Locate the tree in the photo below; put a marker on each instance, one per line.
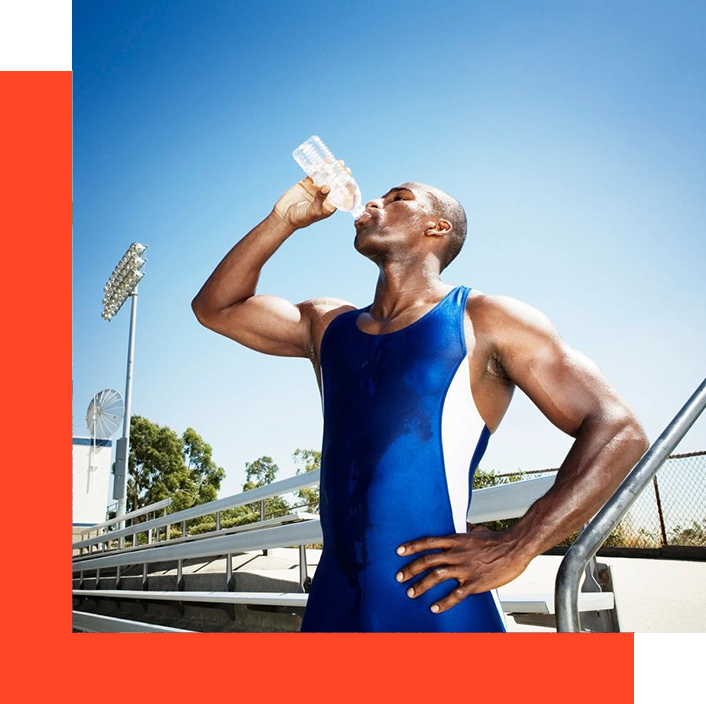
(164, 465)
(204, 473)
(309, 496)
(262, 472)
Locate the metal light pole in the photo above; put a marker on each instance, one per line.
(121, 285)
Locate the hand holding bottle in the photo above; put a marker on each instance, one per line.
(305, 203)
(318, 162)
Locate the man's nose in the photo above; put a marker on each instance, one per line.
(377, 203)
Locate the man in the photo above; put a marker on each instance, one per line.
(412, 387)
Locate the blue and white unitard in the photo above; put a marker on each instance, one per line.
(402, 438)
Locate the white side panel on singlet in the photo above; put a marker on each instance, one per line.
(461, 428)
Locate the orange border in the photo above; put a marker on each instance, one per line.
(36, 185)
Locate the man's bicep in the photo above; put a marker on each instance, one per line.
(565, 384)
(267, 324)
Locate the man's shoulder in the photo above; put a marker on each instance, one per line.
(501, 315)
(325, 308)
(320, 312)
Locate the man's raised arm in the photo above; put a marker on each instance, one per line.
(227, 302)
(572, 393)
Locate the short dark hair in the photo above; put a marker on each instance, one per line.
(447, 207)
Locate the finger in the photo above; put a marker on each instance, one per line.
(423, 563)
(348, 169)
(446, 541)
(322, 193)
(450, 600)
(436, 576)
(341, 162)
(310, 188)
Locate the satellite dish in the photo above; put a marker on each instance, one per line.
(104, 414)
(105, 411)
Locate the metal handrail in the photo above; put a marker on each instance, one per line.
(496, 503)
(598, 530)
(133, 514)
(303, 533)
(284, 486)
(295, 517)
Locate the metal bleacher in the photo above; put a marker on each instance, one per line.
(103, 553)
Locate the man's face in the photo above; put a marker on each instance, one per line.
(396, 221)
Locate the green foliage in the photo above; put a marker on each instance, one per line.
(164, 465)
(696, 535)
(309, 497)
(262, 472)
(483, 479)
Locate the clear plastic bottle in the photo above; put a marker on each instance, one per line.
(319, 163)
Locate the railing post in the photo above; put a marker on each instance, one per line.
(304, 580)
(262, 518)
(218, 520)
(230, 582)
(183, 529)
(659, 511)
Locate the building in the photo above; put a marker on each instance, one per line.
(92, 461)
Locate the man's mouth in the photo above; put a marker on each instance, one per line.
(363, 219)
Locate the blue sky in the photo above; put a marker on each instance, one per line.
(571, 132)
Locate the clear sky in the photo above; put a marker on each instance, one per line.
(573, 133)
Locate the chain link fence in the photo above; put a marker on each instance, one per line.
(668, 518)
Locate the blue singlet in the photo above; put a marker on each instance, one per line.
(402, 438)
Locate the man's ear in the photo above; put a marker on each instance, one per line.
(440, 227)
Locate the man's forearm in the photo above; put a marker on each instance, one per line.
(602, 455)
(236, 277)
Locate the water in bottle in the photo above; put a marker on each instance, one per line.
(319, 163)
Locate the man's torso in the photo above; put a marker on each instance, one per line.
(491, 389)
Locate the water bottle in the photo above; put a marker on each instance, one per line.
(319, 163)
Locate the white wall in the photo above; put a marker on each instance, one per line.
(90, 493)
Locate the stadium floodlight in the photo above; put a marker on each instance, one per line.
(121, 284)
(123, 281)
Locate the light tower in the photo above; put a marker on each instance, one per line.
(121, 284)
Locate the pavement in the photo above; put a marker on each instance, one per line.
(653, 596)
